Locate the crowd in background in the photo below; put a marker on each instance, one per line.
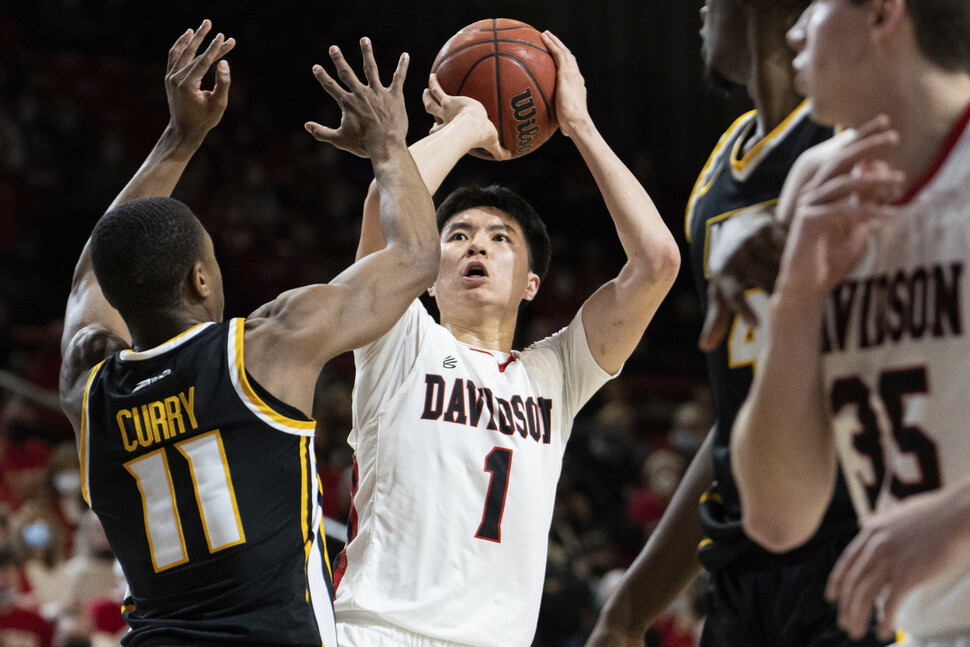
(283, 210)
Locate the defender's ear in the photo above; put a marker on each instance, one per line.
(200, 283)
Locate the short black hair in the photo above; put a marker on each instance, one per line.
(942, 31)
(510, 203)
(141, 252)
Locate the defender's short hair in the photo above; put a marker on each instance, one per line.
(141, 252)
(501, 198)
(942, 31)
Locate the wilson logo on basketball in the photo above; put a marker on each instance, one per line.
(524, 111)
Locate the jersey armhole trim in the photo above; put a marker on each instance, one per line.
(248, 395)
(82, 441)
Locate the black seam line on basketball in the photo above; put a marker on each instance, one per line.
(471, 68)
(535, 81)
(463, 48)
(473, 31)
(498, 85)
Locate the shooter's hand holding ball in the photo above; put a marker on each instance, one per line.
(571, 110)
(446, 108)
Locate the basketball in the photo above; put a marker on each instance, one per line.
(505, 65)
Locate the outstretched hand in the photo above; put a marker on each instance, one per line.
(571, 109)
(194, 111)
(445, 108)
(372, 115)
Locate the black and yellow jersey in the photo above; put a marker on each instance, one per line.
(736, 181)
(207, 489)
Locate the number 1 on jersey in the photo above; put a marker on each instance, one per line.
(497, 464)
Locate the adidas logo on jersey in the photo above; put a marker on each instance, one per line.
(450, 362)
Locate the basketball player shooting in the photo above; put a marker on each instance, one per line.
(197, 455)
(458, 439)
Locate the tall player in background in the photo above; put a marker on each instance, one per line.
(884, 386)
(743, 45)
(196, 451)
(458, 438)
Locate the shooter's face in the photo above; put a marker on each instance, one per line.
(484, 262)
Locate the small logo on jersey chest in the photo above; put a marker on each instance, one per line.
(152, 380)
(449, 362)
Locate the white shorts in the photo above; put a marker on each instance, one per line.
(370, 632)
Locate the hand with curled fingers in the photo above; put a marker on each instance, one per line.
(836, 209)
(748, 256)
(372, 116)
(571, 109)
(895, 551)
(446, 109)
(194, 111)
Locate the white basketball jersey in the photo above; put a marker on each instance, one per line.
(458, 452)
(897, 367)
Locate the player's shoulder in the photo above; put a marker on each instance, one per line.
(87, 348)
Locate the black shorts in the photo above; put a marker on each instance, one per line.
(777, 601)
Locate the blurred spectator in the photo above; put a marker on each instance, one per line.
(63, 487)
(38, 541)
(73, 628)
(19, 627)
(691, 422)
(91, 570)
(105, 612)
(659, 477)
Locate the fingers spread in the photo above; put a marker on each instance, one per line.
(344, 71)
(177, 48)
(371, 72)
(328, 83)
(400, 73)
(191, 47)
(321, 133)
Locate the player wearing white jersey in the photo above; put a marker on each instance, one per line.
(884, 385)
(459, 439)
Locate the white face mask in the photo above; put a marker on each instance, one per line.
(67, 483)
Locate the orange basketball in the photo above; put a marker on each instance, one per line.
(505, 65)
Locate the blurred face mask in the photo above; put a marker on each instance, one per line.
(67, 483)
(37, 535)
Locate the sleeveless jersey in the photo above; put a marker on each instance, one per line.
(458, 452)
(734, 182)
(895, 363)
(206, 486)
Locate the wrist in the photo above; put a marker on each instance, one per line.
(385, 147)
(180, 143)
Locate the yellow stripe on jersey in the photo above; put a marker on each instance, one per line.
(703, 183)
(83, 443)
(707, 541)
(266, 410)
(724, 216)
(710, 496)
(739, 162)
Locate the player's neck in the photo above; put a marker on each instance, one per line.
(490, 333)
(772, 91)
(157, 330)
(925, 117)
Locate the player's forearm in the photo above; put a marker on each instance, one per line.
(435, 156)
(646, 240)
(163, 167)
(669, 561)
(406, 213)
(782, 449)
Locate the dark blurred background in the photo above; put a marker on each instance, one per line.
(82, 103)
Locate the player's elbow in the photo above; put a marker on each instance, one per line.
(661, 262)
